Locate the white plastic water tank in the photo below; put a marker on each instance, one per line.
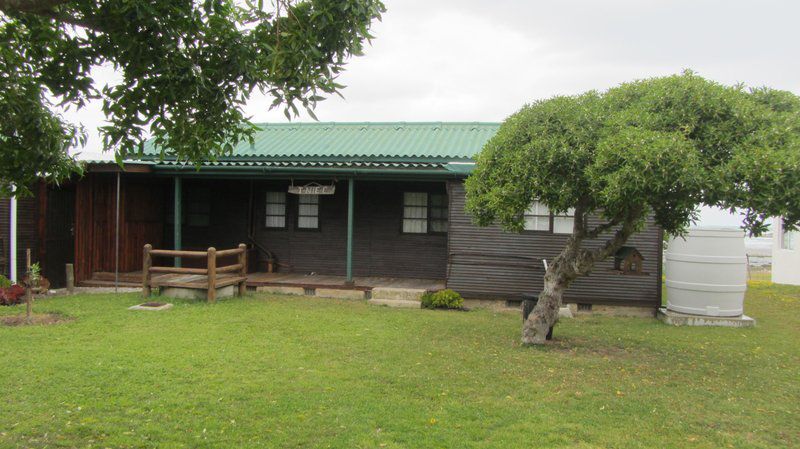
(707, 272)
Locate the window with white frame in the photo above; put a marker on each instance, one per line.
(308, 212)
(789, 240)
(276, 210)
(563, 223)
(415, 212)
(537, 217)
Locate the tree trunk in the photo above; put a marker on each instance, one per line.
(545, 314)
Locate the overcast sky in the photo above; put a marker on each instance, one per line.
(471, 60)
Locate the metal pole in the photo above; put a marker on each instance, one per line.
(177, 221)
(116, 239)
(350, 203)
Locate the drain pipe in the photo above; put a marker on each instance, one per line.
(12, 229)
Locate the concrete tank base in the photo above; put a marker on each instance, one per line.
(199, 294)
(684, 319)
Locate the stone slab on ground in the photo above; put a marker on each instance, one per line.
(166, 306)
(613, 310)
(404, 303)
(281, 290)
(340, 293)
(684, 319)
(405, 294)
(199, 294)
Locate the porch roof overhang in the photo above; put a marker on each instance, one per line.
(320, 168)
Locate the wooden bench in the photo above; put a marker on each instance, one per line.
(210, 278)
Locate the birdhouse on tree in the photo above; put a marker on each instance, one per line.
(628, 260)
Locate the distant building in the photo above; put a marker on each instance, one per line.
(785, 255)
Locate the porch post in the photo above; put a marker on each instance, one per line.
(350, 202)
(177, 218)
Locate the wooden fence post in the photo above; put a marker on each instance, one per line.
(243, 270)
(212, 274)
(146, 264)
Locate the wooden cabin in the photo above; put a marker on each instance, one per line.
(348, 201)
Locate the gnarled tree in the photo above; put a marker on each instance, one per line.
(654, 148)
(186, 70)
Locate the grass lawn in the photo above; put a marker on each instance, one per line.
(267, 371)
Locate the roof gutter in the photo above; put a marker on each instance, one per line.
(334, 171)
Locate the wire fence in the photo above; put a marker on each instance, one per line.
(758, 272)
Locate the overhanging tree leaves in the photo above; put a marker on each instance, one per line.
(654, 148)
(187, 68)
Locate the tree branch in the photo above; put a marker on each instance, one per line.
(616, 242)
(47, 9)
(599, 229)
(29, 6)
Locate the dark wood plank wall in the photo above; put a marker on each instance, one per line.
(27, 222)
(379, 248)
(141, 221)
(4, 233)
(490, 263)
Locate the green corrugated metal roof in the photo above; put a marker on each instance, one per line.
(388, 141)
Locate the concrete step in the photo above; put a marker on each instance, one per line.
(404, 303)
(393, 293)
(96, 283)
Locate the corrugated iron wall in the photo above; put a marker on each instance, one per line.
(490, 263)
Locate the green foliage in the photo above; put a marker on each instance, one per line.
(442, 299)
(35, 273)
(5, 282)
(660, 146)
(186, 71)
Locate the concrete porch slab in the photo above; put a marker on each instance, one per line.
(340, 293)
(281, 290)
(683, 319)
(404, 294)
(403, 303)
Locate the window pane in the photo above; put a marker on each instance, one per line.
(563, 225)
(415, 226)
(789, 240)
(276, 209)
(276, 222)
(415, 199)
(308, 209)
(276, 197)
(307, 222)
(309, 199)
(538, 208)
(536, 223)
(438, 226)
(415, 212)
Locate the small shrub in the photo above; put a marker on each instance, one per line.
(5, 282)
(427, 300)
(443, 299)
